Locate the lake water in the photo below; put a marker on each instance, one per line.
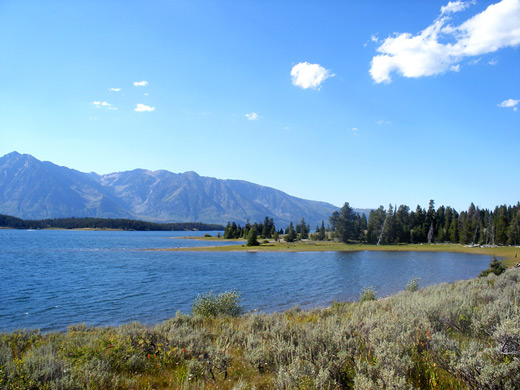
(50, 279)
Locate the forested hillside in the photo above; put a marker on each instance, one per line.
(7, 221)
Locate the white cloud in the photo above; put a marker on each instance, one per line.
(382, 122)
(114, 89)
(509, 103)
(455, 6)
(143, 83)
(253, 116)
(494, 61)
(355, 130)
(305, 75)
(105, 105)
(374, 38)
(146, 94)
(143, 108)
(426, 54)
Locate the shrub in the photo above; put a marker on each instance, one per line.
(450, 336)
(495, 267)
(207, 235)
(210, 305)
(413, 285)
(367, 294)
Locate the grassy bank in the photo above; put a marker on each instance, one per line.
(510, 255)
(451, 336)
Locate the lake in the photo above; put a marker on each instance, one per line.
(53, 278)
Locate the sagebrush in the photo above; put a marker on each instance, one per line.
(464, 335)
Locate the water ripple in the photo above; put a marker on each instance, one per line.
(51, 279)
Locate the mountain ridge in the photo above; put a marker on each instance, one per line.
(34, 189)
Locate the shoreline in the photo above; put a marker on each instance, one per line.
(509, 255)
(415, 323)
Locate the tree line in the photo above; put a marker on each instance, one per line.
(102, 223)
(401, 225)
(398, 225)
(267, 229)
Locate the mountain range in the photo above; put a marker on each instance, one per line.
(34, 189)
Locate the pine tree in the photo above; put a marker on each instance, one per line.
(252, 238)
(321, 231)
(402, 218)
(389, 228)
(453, 230)
(363, 225)
(440, 219)
(343, 222)
(501, 222)
(303, 229)
(418, 232)
(495, 267)
(290, 233)
(227, 231)
(513, 231)
(376, 220)
(266, 229)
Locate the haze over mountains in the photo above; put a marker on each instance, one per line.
(32, 189)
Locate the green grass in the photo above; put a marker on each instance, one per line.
(212, 238)
(509, 255)
(450, 336)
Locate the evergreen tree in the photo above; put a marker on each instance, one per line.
(402, 219)
(376, 220)
(363, 226)
(290, 233)
(321, 232)
(495, 267)
(453, 230)
(237, 231)
(389, 228)
(252, 238)
(501, 223)
(247, 228)
(440, 218)
(467, 225)
(343, 222)
(273, 230)
(228, 233)
(514, 227)
(266, 229)
(418, 232)
(303, 229)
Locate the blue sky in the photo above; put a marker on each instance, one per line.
(367, 102)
